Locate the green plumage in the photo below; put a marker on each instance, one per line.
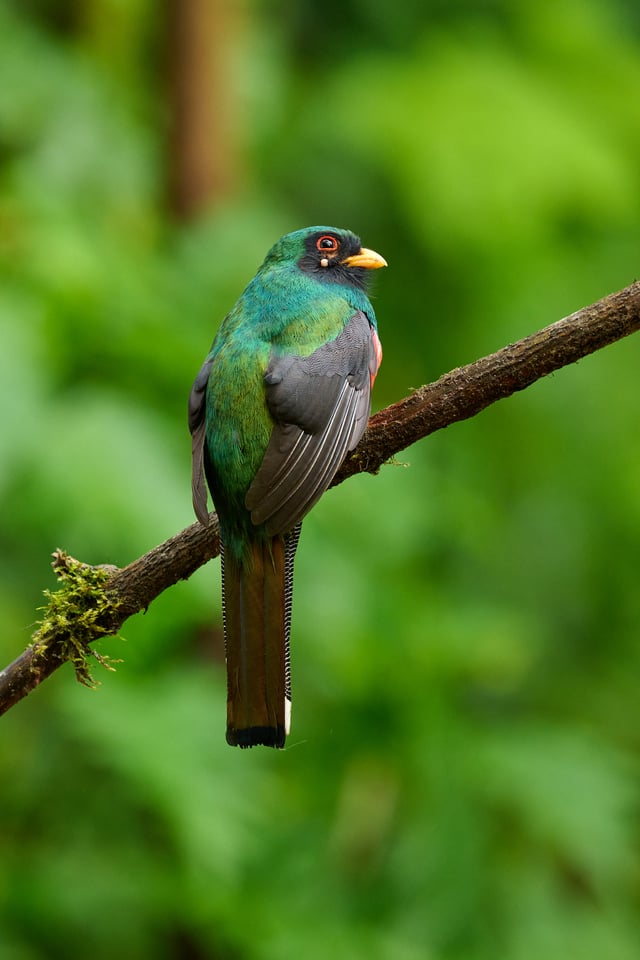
(284, 311)
(282, 396)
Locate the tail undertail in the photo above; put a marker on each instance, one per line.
(256, 599)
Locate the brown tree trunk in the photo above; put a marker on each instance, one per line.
(203, 142)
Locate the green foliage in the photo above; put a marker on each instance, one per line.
(462, 778)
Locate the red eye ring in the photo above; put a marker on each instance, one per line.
(327, 244)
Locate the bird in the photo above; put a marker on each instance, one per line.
(283, 395)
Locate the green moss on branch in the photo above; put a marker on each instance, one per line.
(81, 611)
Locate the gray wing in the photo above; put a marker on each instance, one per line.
(320, 405)
(197, 426)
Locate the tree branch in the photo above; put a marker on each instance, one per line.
(456, 396)
(466, 391)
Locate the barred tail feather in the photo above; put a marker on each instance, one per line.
(256, 599)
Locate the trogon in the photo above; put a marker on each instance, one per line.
(283, 395)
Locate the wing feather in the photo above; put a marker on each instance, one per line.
(197, 426)
(320, 405)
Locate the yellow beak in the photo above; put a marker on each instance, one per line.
(365, 258)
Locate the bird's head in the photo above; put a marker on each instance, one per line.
(328, 254)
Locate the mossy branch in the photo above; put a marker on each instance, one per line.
(94, 602)
(81, 611)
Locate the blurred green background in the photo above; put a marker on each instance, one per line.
(462, 779)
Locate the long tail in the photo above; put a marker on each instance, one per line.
(256, 600)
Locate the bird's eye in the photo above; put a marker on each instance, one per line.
(327, 243)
